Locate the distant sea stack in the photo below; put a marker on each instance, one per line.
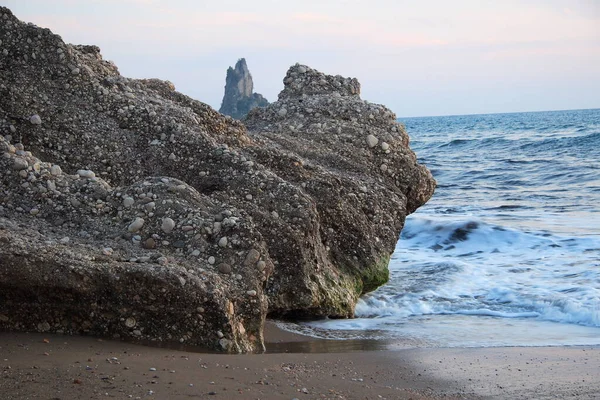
(239, 98)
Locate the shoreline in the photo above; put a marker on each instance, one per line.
(51, 366)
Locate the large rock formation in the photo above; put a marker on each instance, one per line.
(147, 214)
(239, 96)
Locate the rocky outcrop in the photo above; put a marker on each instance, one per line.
(351, 157)
(239, 96)
(77, 256)
(129, 209)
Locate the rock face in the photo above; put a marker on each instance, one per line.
(352, 159)
(128, 209)
(239, 97)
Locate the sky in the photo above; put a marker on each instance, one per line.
(417, 57)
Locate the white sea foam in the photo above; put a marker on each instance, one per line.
(471, 267)
(451, 271)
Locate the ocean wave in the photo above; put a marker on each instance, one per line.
(465, 234)
(401, 309)
(476, 142)
(519, 150)
(569, 144)
(452, 265)
(494, 313)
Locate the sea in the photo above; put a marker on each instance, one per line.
(507, 251)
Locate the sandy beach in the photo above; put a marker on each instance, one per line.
(39, 366)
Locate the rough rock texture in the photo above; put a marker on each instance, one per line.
(153, 216)
(239, 96)
(352, 158)
(77, 255)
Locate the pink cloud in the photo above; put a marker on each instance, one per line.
(314, 17)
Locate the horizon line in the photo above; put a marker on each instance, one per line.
(499, 113)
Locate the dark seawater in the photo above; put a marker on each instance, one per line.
(507, 252)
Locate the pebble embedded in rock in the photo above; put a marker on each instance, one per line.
(20, 164)
(43, 326)
(252, 257)
(223, 241)
(372, 141)
(136, 225)
(128, 202)
(55, 170)
(162, 260)
(224, 268)
(85, 173)
(35, 119)
(167, 225)
(225, 344)
(385, 146)
(149, 243)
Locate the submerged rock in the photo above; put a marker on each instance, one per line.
(239, 96)
(135, 211)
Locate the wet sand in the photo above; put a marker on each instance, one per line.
(40, 366)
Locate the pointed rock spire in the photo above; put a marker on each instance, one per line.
(239, 98)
